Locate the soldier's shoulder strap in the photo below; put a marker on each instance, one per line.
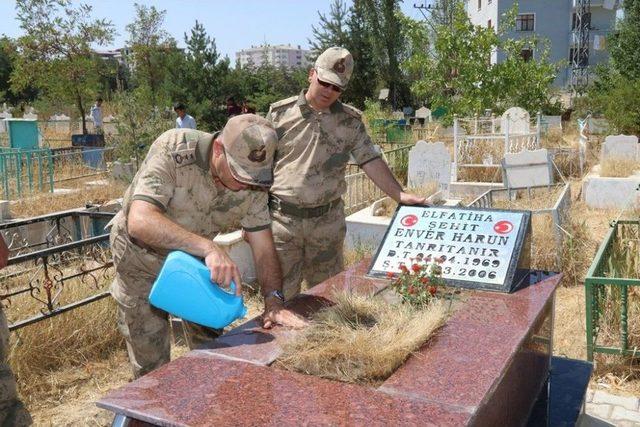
(284, 102)
(352, 111)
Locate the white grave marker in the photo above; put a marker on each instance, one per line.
(527, 169)
(429, 162)
(518, 120)
(620, 147)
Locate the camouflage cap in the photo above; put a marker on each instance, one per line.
(335, 66)
(250, 144)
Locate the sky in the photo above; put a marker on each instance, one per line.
(235, 25)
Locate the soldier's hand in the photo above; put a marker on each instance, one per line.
(222, 269)
(282, 316)
(412, 199)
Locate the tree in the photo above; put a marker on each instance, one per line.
(8, 55)
(616, 90)
(201, 79)
(364, 79)
(389, 46)
(455, 71)
(55, 54)
(153, 52)
(332, 30)
(625, 44)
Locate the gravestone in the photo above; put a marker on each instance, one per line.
(3, 125)
(429, 162)
(624, 147)
(479, 248)
(527, 169)
(517, 119)
(30, 116)
(423, 114)
(60, 122)
(552, 122)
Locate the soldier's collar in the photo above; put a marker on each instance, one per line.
(203, 150)
(305, 108)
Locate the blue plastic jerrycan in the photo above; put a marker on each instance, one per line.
(184, 289)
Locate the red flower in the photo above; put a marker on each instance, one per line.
(390, 275)
(424, 280)
(432, 290)
(416, 268)
(403, 268)
(411, 290)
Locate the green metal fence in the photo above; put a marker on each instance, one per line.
(25, 171)
(611, 277)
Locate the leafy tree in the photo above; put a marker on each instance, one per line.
(616, 90)
(7, 62)
(55, 54)
(456, 73)
(154, 53)
(332, 29)
(384, 19)
(364, 80)
(625, 45)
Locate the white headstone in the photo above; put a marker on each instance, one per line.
(620, 147)
(429, 162)
(30, 116)
(518, 119)
(3, 125)
(423, 113)
(527, 169)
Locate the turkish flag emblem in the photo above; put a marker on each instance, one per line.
(503, 227)
(409, 220)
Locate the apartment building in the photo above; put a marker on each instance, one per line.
(554, 20)
(279, 55)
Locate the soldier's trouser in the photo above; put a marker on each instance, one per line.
(12, 411)
(146, 329)
(310, 249)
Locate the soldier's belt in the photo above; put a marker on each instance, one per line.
(275, 204)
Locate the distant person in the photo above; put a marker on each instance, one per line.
(233, 109)
(12, 410)
(246, 108)
(183, 121)
(96, 115)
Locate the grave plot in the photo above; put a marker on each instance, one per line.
(613, 183)
(495, 342)
(58, 262)
(549, 206)
(481, 143)
(612, 294)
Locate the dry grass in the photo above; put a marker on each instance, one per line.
(480, 175)
(53, 202)
(536, 199)
(361, 339)
(618, 168)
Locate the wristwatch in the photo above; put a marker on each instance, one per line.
(276, 294)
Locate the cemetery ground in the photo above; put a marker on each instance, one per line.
(63, 366)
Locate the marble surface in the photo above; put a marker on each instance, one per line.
(203, 390)
(480, 368)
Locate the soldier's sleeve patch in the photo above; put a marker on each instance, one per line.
(184, 157)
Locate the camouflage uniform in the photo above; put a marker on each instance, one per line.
(12, 411)
(309, 168)
(175, 176)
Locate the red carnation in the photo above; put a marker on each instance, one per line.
(432, 290)
(416, 268)
(390, 275)
(424, 280)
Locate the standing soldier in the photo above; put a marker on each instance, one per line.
(191, 185)
(12, 411)
(317, 135)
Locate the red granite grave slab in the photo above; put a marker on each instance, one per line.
(204, 390)
(491, 341)
(484, 367)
